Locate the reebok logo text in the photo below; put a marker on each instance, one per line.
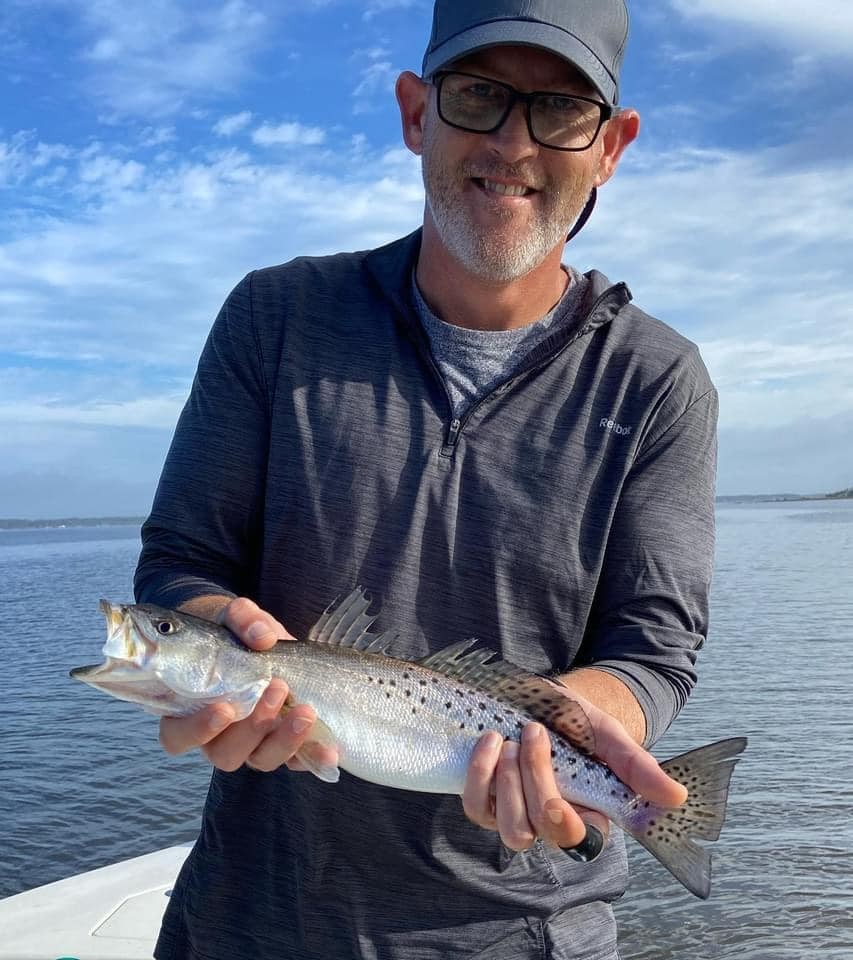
(614, 427)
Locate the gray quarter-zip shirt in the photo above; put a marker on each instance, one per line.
(565, 519)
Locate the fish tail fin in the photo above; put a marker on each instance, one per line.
(668, 832)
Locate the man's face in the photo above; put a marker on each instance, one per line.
(495, 234)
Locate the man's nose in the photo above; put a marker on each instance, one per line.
(512, 139)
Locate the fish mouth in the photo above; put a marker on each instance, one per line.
(125, 644)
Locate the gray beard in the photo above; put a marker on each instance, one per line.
(485, 254)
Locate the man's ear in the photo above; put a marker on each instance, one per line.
(412, 97)
(620, 131)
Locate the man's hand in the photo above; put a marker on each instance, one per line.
(265, 740)
(512, 788)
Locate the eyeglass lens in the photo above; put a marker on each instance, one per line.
(482, 105)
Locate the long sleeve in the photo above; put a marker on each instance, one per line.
(650, 614)
(202, 534)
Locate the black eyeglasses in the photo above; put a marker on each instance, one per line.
(481, 105)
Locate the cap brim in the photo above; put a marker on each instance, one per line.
(528, 33)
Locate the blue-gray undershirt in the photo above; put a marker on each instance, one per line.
(474, 362)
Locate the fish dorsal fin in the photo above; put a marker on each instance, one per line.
(347, 624)
(542, 699)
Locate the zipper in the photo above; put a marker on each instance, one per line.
(457, 424)
(453, 433)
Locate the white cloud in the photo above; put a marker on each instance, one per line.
(375, 8)
(234, 123)
(288, 134)
(376, 87)
(168, 51)
(825, 27)
(157, 412)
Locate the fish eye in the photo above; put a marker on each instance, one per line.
(165, 627)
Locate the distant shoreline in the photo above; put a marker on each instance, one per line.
(14, 523)
(58, 524)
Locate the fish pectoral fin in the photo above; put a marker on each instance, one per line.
(320, 747)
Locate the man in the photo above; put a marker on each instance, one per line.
(493, 445)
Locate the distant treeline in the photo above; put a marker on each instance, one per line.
(15, 524)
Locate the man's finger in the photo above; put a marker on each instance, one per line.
(634, 765)
(254, 626)
(514, 826)
(180, 734)
(551, 817)
(478, 796)
(236, 743)
(281, 744)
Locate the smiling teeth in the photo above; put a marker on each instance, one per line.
(504, 188)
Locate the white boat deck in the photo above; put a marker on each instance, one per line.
(112, 913)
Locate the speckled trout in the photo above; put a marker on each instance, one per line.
(411, 725)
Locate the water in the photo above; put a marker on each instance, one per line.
(83, 781)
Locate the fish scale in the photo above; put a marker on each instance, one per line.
(409, 725)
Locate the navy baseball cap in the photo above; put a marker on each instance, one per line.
(590, 34)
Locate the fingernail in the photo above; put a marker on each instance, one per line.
(555, 813)
(272, 697)
(257, 631)
(300, 724)
(219, 721)
(531, 732)
(510, 749)
(589, 848)
(494, 741)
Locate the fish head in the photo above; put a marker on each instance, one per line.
(171, 663)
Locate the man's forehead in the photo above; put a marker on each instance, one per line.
(530, 67)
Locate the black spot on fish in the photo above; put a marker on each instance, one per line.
(414, 710)
(461, 726)
(393, 683)
(405, 676)
(448, 705)
(499, 718)
(423, 699)
(423, 683)
(408, 693)
(370, 679)
(481, 705)
(553, 753)
(480, 726)
(470, 712)
(381, 680)
(387, 694)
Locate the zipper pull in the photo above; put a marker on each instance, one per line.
(453, 432)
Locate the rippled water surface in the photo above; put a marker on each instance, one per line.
(84, 783)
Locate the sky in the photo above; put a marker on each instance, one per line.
(151, 154)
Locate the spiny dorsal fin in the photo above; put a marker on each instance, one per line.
(539, 697)
(347, 624)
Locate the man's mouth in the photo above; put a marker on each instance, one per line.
(503, 189)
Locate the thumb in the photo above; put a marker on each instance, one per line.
(252, 625)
